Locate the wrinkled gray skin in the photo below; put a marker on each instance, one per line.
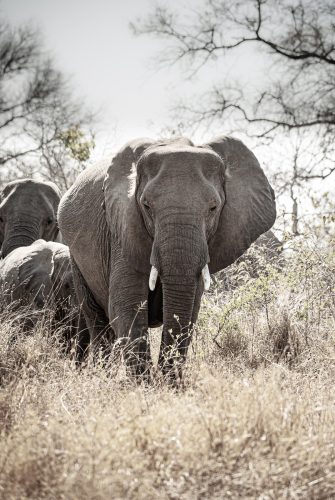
(28, 212)
(171, 205)
(38, 276)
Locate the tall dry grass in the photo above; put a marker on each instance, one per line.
(255, 418)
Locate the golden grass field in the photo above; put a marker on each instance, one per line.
(255, 417)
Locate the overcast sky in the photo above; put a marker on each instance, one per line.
(114, 70)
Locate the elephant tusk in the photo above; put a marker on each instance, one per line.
(206, 277)
(153, 278)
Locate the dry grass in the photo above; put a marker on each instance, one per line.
(255, 419)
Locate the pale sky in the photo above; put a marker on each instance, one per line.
(114, 70)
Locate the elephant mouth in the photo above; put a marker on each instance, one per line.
(204, 274)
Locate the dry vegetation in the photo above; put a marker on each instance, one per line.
(255, 418)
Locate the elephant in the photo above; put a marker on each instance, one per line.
(38, 276)
(146, 229)
(28, 212)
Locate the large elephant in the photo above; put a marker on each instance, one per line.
(147, 228)
(28, 212)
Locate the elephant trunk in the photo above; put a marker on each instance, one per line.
(179, 254)
(177, 318)
(20, 234)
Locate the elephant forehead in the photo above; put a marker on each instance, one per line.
(26, 195)
(185, 159)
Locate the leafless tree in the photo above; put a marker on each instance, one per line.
(296, 98)
(296, 162)
(37, 109)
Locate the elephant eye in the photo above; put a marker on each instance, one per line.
(49, 220)
(147, 207)
(213, 208)
(1, 219)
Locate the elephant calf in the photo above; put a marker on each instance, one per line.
(39, 276)
(147, 228)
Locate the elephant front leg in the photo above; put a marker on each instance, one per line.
(92, 321)
(128, 313)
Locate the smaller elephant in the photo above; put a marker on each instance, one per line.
(39, 276)
(28, 212)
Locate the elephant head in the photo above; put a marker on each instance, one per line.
(38, 275)
(190, 210)
(35, 273)
(47, 276)
(28, 211)
(62, 279)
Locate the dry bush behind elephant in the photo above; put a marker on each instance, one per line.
(147, 228)
(38, 278)
(265, 253)
(28, 212)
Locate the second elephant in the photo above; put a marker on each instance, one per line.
(28, 212)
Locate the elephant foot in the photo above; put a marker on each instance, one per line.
(140, 370)
(171, 370)
(137, 358)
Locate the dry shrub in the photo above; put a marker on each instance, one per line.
(282, 314)
(255, 418)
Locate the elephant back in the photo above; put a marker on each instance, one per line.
(26, 274)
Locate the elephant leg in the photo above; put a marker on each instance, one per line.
(97, 324)
(128, 311)
(82, 335)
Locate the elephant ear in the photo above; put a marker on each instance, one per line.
(53, 193)
(6, 190)
(53, 196)
(39, 260)
(62, 274)
(250, 208)
(36, 269)
(122, 212)
(4, 193)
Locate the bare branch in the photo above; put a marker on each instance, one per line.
(36, 107)
(295, 100)
(298, 36)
